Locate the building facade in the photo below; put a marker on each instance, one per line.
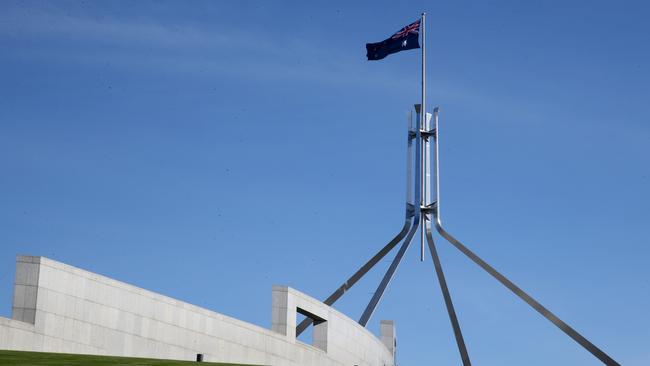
(60, 308)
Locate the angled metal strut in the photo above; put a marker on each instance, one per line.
(458, 334)
(584, 342)
(358, 274)
(372, 305)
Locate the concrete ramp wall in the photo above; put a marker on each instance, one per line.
(60, 308)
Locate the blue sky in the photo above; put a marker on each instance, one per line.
(207, 150)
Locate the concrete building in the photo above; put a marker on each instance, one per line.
(60, 308)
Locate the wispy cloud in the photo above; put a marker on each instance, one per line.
(197, 50)
(190, 50)
(107, 31)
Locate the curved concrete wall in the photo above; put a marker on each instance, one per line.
(60, 308)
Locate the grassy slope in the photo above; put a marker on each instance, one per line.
(19, 358)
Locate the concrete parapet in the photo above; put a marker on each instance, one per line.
(60, 308)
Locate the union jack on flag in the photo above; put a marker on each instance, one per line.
(411, 28)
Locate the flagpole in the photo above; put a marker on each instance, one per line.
(423, 127)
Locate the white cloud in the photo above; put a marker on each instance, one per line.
(190, 50)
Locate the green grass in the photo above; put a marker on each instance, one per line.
(20, 358)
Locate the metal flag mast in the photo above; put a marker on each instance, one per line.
(421, 211)
(423, 127)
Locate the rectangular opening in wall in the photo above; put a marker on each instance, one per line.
(306, 336)
(317, 332)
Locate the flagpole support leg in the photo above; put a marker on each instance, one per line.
(458, 334)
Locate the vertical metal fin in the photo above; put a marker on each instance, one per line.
(425, 199)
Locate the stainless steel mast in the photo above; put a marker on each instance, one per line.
(423, 127)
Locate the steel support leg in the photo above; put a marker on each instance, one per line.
(584, 342)
(370, 309)
(460, 342)
(358, 274)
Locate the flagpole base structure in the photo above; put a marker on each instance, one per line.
(422, 218)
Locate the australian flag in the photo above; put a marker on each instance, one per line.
(405, 39)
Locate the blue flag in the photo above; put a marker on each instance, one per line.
(405, 39)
